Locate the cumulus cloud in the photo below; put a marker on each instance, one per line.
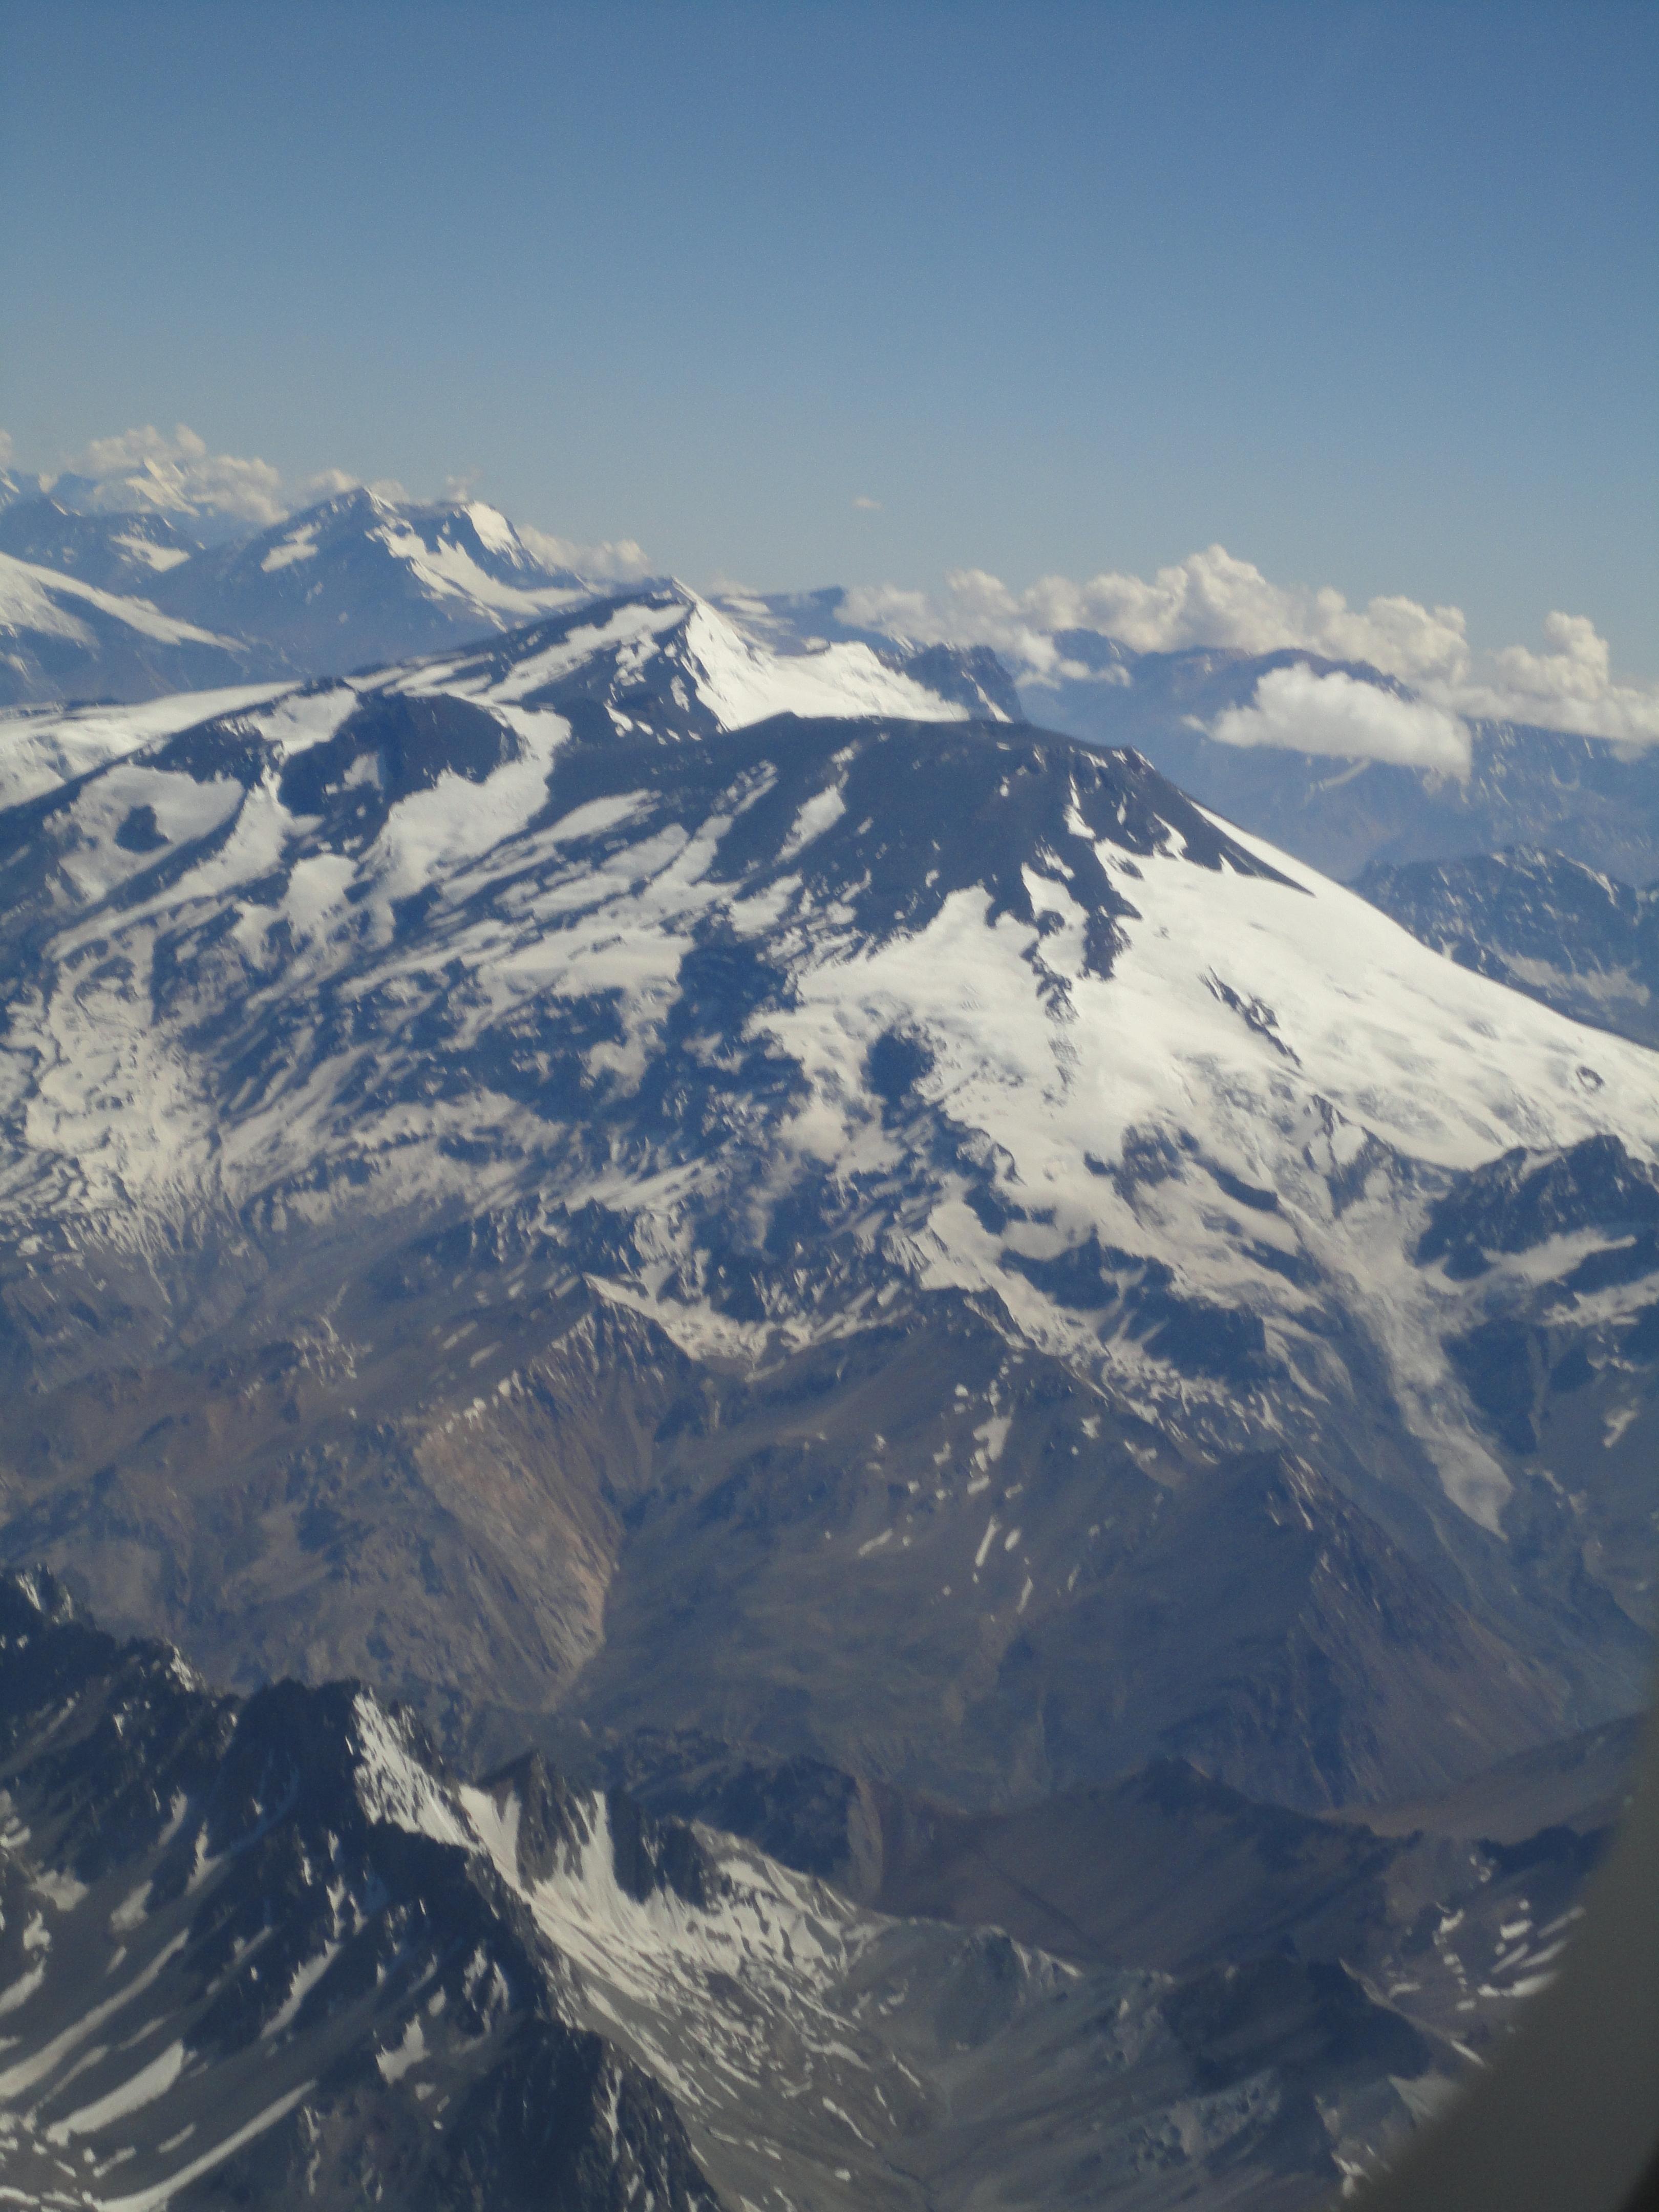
(1214, 599)
(144, 468)
(616, 560)
(866, 504)
(1210, 599)
(978, 610)
(332, 483)
(1298, 709)
(325, 484)
(1572, 689)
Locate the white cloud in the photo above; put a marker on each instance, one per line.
(333, 484)
(1302, 711)
(1214, 599)
(866, 504)
(616, 559)
(7, 448)
(979, 611)
(1570, 689)
(143, 468)
(326, 483)
(1210, 599)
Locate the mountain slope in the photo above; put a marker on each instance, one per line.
(1576, 940)
(62, 638)
(43, 747)
(121, 553)
(905, 1241)
(259, 1951)
(1165, 1867)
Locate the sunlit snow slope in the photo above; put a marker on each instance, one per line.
(58, 637)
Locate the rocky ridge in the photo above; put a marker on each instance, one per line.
(267, 1951)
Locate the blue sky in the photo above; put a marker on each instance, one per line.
(1366, 293)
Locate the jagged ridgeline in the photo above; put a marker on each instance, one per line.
(268, 1951)
(902, 1241)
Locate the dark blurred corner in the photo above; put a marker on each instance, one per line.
(1567, 2120)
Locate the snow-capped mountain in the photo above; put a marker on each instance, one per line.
(664, 662)
(270, 1951)
(906, 1241)
(360, 578)
(121, 553)
(1578, 940)
(63, 639)
(660, 659)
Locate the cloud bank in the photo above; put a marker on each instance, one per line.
(143, 468)
(1210, 599)
(1214, 599)
(1302, 711)
(613, 560)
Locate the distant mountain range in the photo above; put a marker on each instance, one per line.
(360, 579)
(123, 553)
(1575, 940)
(355, 579)
(1595, 802)
(267, 1951)
(66, 640)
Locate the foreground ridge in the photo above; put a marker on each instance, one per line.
(268, 1951)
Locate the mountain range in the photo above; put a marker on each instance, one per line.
(1594, 802)
(1579, 940)
(269, 1950)
(361, 579)
(665, 1204)
(354, 580)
